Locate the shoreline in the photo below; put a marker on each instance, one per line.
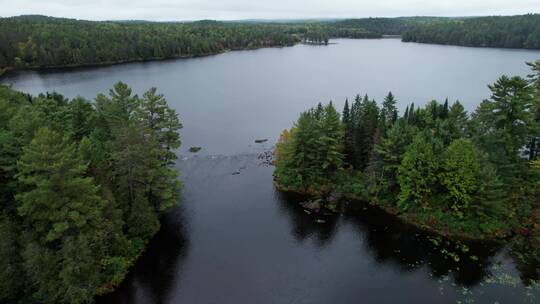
(352, 201)
(6, 70)
(472, 46)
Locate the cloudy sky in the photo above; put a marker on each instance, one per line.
(160, 10)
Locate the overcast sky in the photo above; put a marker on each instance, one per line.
(160, 10)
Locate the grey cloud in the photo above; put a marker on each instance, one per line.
(242, 9)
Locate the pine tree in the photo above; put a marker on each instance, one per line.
(503, 125)
(117, 109)
(156, 115)
(58, 198)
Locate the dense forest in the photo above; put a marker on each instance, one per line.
(36, 41)
(473, 176)
(508, 32)
(82, 186)
(41, 42)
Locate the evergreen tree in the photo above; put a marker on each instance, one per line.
(314, 151)
(12, 275)
(58, 199)
(406, 114)
(348, 133)
(458, 121)
(162, 120)
(503, 124)
(74, 228)
(534, 142)
(389, 112)
(410, 117)
(366, 125)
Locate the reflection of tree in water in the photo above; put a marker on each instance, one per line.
(390, 241)
(525, 252)
(304, 226)
(157, 268)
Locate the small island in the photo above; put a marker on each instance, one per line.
(462, 176)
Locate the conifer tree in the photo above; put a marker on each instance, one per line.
(389, 112)
(348, 133)
(411, 115)
(58, 199)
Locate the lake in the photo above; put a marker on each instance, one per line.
(235, 239)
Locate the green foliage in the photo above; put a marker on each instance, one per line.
(82, 187)
(460, 174)
(389, 113)
(42, 42)
(311, 152)
(503, 125)
(417, 173)
(453, 173)
(501, 31)
(12, 273)
(364, 128)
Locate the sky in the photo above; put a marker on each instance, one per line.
(180, 10)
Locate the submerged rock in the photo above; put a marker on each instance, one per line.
(312, 205)
(266, 158)
(195, 149)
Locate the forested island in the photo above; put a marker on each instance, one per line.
(36, 42)
(463, 176)
(82, 186)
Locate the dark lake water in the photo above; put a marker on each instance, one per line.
(234, 239)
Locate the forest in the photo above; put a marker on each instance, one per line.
(41, 42)
(82, 187)
(37, 41)
(506, 32)
(46, 42)
(472, 176)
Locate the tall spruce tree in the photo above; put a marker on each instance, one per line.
(389, 112)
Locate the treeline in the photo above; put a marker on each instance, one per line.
(383, 26)
(40, 42)
(36, 41)
(82, 186)
(437, 166)
(508, 32)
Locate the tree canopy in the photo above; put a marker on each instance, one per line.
(82, 187)
(456, 173)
